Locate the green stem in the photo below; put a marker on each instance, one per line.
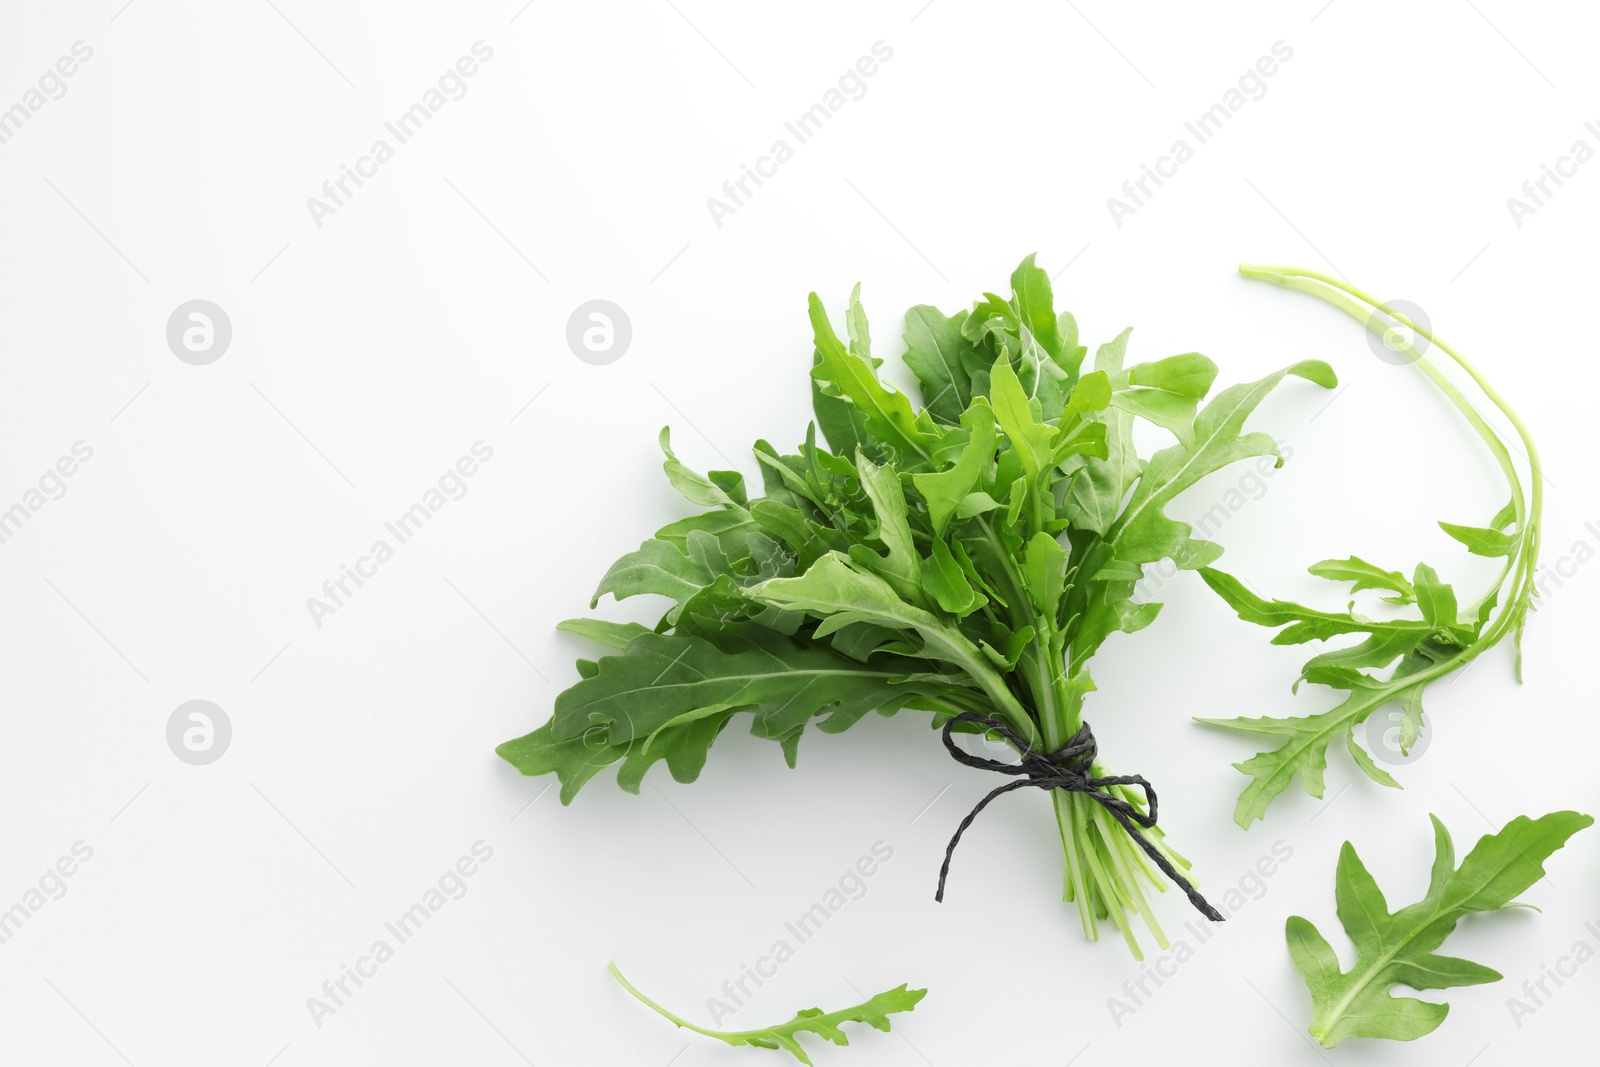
(1528, 507)
(647, 1002)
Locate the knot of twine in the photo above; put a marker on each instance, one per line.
(1068, 768)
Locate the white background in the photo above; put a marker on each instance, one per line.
(369, 353)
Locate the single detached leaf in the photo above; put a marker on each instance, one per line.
(874, 1012)
(1399, 948)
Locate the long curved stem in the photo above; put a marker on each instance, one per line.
(1527, 506)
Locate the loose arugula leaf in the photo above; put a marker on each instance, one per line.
(1399, 948)
(1443, 640)
(874, 1012)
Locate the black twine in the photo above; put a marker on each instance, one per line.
(1066, 768)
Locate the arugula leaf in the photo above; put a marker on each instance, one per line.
(884, 412)
(1443, 640)
(1364, 575)
(1143, 533)
(939, 356)
(635, 703)
(874, 1012)
(1399, 948)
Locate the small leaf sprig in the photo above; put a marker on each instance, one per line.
(1399, 948)
(874, 1011)
(1444, 636)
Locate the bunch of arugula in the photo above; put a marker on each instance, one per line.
(968, 556)
(1444, 636)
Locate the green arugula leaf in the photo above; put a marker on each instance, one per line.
(944, 492)
(884, 412)
(1399, 948)
(939, 356)
(1365, 575)
(668, 696)
(1033, 302)
(1482, 542)
(874, 1012)
(1144, 533)
(1166, 392)
(1033, 439)
(1096, 494)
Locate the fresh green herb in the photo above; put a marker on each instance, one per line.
(1443, 637)
(968, 556)
(874, 1012)
(1399, 949)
